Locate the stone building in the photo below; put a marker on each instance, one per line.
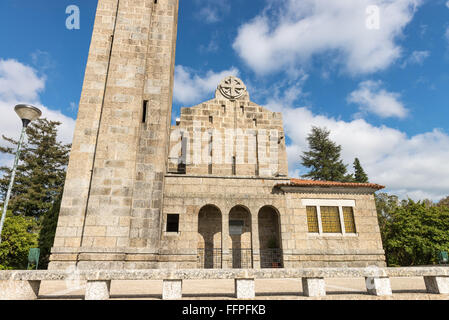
(211, 191)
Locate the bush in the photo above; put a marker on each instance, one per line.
(17, 240)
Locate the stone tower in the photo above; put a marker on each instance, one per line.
(111, 209)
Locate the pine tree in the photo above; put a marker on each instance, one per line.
(47, 233)
(359, 174)
(41, 172)
(324, 158)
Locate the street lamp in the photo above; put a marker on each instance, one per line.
(27, 113)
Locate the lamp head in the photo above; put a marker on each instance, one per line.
(27, 113)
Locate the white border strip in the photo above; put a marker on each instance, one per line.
(328, 203)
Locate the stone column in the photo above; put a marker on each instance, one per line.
(255, 239)
(97, 290)
(438, 285)
(378, 286)
(226, 254)
(19, 290)
(244, 289)
(172, 290)
(314, 287)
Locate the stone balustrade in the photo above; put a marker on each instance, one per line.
(15, 285)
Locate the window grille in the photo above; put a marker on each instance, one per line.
(330, 219)
(312, 220)
(348, 215)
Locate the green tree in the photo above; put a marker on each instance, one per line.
(17, 239)
(323, 159)
(47, 233)
(359, 174)
(41, 172)
(414, 233)
(386, 204)
(37, 191)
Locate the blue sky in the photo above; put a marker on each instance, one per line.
(383, 90)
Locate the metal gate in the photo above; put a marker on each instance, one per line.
(271, 258)
(209, 258)
(242, 258)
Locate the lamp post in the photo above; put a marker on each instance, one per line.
(27, 113)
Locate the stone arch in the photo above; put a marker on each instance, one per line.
(270, 237)
(240, 234)
(210, 237)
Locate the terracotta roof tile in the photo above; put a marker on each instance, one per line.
(316, 183)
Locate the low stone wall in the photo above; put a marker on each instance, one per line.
(15, 285)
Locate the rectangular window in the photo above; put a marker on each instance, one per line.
(234, 170)
(312, 220)
(330, 216)
(173, 223)
(144, 113)
(211, 151)
(330, 219)
(211, 119)
(348, 215)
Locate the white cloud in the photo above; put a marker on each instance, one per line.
(413, 166)
(370, 97)
(416, 58)
(297, 30)
(447, 4)
(209, 15)
(212, 11)
(423, 30)
(213, 45)
(18, 81)
(190, 87)
(21, 84)
(43, 60)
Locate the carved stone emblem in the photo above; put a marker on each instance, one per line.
(232, 88)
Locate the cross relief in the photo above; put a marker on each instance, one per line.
(232, 88)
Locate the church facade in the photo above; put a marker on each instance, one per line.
(211, 191)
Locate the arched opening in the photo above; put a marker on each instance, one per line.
(209, 238)
(270, 240)
(240, 235)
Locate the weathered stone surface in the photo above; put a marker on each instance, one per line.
(115, 154)
(190, 195)
(438, 285)
(244, 288)
(378, 286)
(172, 289)
(418, 271)
(198, 274)
(98, 290)
(126, 173)
(19, 290)
(314, 287)
(25, 284)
